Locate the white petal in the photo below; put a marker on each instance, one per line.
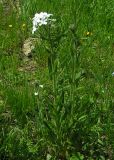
(34, 29)
(44, 22)
(36, 93)
(41, 86)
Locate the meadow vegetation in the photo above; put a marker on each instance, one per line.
(57, 101)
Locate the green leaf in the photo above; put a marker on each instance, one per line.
(77, 157)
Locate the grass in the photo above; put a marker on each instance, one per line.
(70, 117)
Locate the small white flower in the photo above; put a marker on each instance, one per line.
(112, 73)
(49, 157)
(36, 93)
(41, 19)
(34, 29)
(41, 86)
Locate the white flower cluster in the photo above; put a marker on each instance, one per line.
(36, 93)
(41, 19)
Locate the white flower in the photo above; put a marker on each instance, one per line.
(36, 93)
(112, 73)
(41, 86)
(41, 19)
(34, 29)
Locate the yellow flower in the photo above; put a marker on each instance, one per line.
(89, 33)
(23, 25)
(10, 25)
